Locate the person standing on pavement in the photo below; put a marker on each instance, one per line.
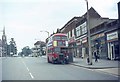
(88, 61)
(95, 55)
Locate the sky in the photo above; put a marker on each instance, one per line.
(25, 19)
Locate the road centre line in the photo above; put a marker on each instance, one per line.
(28, 70)
(31, 75)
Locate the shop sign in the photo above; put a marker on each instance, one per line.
(97, 36)
(84, 40)
(78, 42)
(72, 39)
(113, 35)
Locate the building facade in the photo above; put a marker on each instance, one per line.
(69, 29)
(39, 49)
(112, 40)
(76, 29)
(98, 38)
(78, 34)
(0, 48)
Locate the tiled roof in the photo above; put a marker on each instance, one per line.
(39, 42)
(92, 13)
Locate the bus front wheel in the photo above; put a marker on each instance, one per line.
(48, 60)
(53, 61)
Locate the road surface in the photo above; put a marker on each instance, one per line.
(37, 68)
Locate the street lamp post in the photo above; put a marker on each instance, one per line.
(89, 39)
(46, 32)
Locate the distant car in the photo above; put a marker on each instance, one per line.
(30, 55)
(15, 55)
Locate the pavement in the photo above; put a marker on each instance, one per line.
(103, 65)
(107, 66)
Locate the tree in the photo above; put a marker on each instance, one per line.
(12, 47)
(26, 51)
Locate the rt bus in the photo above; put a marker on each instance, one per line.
(57, 49)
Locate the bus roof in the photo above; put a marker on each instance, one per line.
(59, 34)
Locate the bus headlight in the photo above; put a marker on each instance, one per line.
(54, 43)
(66, 43)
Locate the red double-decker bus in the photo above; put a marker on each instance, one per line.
(58, 49)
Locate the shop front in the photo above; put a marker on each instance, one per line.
(113, 45)
(99, 44)
(72, 46)
(82, 46)
(78, 49)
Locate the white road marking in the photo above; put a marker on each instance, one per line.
(28, 70)
(31, 75)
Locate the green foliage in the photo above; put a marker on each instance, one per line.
(26, 51)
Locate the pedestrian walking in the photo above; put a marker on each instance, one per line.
(95, 55)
